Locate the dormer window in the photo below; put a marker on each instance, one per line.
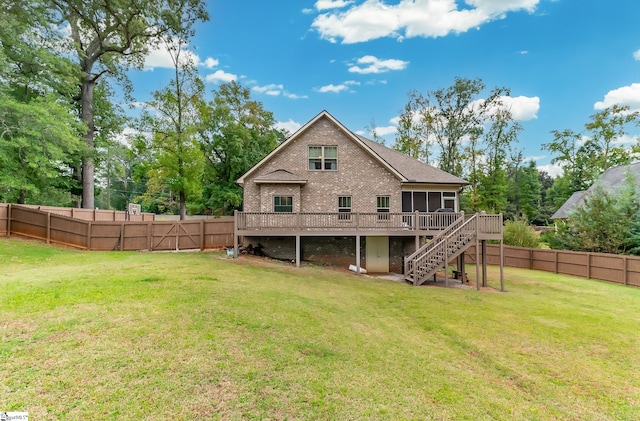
(323, 158)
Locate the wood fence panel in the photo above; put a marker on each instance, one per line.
(633, 272)
(4, 219)
(136, 236)
(105, 235)
(163, 236)
(517, 257)
(544, 260)
(189, 235)
(28, 222)
(218, 232)
(68, 231)
(608, 268)
(572, 263)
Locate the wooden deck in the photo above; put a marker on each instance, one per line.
(352, 224)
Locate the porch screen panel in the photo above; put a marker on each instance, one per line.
(435, 201)
(407, 202)
(449, 199)
(419, 201)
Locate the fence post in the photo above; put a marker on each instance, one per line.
(556, 262)
(625, 272)
(121, 236)
(89, 230)
(48, 227)
(9, 221)
(588, 265)
(201, 234)
(149, 236)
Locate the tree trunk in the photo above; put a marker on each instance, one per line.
(183, 207)
(87, 160)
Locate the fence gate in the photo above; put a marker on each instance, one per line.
(175, 236)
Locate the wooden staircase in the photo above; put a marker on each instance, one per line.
(447, 245)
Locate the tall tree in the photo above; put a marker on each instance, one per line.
(107, 38)
(499, 137)
(585, 155)
(412, 138)
(446, 117)
(524, 190)
(174, 117)
(39, 136)
(237, 133)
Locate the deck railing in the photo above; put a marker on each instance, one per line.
(345, 221)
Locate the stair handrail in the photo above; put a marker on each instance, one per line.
(443, 232)
(438, 242)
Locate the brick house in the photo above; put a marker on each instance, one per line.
(327, 194)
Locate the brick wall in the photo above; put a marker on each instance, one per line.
(359, 175)
(337, 251)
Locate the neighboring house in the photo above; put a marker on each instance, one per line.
(612, 180)
(325, 187)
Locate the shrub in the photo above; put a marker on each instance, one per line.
(519, 233)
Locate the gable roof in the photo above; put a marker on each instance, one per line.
(404, 167)
(575, 201)
(412, 170)
(612, 180)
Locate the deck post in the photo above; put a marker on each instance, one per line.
(446, 262)
(235, 233)
(416, 223)
(298, 250)
(477, 255)
(501, 265)
(484, 263)
(357, 254)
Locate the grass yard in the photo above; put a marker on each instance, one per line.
(187, 336)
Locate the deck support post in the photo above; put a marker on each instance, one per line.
(484, 263)
(501, 265)
(235, 234)
(298, 251)
(358, 254)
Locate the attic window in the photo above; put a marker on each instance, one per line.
(323, 158)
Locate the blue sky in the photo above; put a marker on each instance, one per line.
(563, 60)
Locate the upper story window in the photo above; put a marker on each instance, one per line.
(283, 204)
(383, 206)
(323, 158)
(344, 208)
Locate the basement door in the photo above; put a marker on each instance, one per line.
(377, 254)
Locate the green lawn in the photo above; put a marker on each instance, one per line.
(128, 335)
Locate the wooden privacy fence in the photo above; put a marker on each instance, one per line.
(92, 214)
(115, 235)
(614, 268)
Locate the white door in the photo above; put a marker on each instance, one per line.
(377, 254)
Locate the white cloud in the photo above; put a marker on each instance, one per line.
(386, 130)
(290, 126)
(553, 170)
(210, 63)
(272, 89)
(522, 108)
(626, 140)
(276, 90)
(331, 4)
(626, 95)
(636, 55)
(373, 64)
(333, 88)
(220, 76)
(373, 19)
(160, 56)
